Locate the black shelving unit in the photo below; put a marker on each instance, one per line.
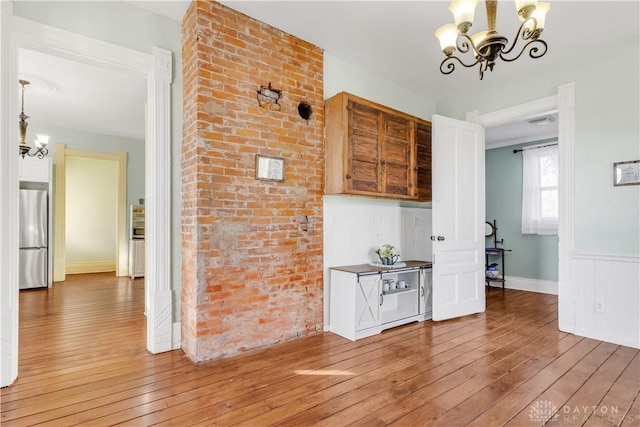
(493, 252)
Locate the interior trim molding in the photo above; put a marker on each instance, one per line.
(9, 190)
(91, 267)
(633, 258)
(60, 264)
(564, 104)
(530, 285)
(59, 223)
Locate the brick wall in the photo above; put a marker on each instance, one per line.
(251, 249)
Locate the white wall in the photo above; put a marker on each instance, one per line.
(91, 208)
(340, 76)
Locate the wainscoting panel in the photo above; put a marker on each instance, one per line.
(607, 297)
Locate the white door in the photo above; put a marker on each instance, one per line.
(458, 218)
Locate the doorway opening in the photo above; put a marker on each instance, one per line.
(531, 260)
(564, 103)
(63, 255)
(157, 69)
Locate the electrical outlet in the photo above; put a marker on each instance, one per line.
(599, 307)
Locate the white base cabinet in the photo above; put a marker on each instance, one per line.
(136, 258)
(365, 300)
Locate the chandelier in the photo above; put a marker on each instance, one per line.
(488, 46)
(41, 139)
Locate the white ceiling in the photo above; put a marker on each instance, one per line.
(77, 96)
(392, 39)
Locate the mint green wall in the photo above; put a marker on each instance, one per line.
(531, 256)
(121, 23)
(607, 130)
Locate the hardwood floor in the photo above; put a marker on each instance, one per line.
(83, 362)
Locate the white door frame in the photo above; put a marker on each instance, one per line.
(156, 67)
(564, 103)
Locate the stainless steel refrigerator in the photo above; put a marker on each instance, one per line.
(34, 219)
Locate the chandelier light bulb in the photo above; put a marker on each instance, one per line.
(463, 13)
(524, 8)
(41, 140)
(447, 35)
(539, 14)
(477, 39)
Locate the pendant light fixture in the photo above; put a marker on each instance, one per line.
(41, 140)
(487, 46)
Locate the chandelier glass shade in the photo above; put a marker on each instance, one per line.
(487, 46)
(41, 140)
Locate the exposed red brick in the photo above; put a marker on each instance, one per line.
(251, 275)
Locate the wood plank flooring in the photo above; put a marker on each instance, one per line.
(83, 361)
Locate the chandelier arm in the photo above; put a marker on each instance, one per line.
(451, 66)
(524, 33)
(42, 152)
(464, 44)
(535, 49)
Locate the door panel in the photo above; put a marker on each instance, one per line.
(33, 268)
(458, 218)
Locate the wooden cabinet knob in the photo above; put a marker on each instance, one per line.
(348, 176)
(382, 162)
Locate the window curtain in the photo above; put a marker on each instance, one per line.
(540, 191)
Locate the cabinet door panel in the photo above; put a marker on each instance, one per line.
(364, 158)
(368, 302)
(397, 155)
(397, 180)
(364, 176)
(423, 162)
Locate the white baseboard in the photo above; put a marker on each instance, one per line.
(531, 285)
(176, 336)
(603, 336)
(90, 267)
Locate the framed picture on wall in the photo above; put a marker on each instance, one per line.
(626, 173)
(269, 168)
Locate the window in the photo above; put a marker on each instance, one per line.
(540, 190)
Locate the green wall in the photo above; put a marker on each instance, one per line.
(531, 256)
(607, 130)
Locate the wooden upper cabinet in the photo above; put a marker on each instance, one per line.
(373, 150)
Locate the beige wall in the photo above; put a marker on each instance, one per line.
(91, 194)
